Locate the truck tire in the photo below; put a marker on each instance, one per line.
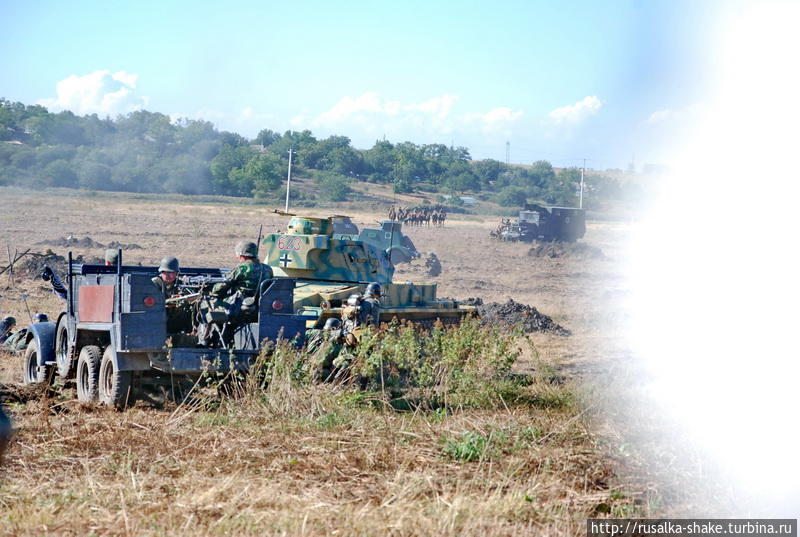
(116, 387)
(65, 360)
(33, 374)
(88, 370)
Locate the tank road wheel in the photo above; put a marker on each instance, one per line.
(65, 363)
(115, 385)
(88, 370)
(33, 373)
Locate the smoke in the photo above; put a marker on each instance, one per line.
(717, 254)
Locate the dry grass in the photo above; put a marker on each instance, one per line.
(313, 460)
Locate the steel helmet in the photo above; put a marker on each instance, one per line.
(246, 249)
(373, 289)
(332, 324)
(8, 321)
(169, 264)
(353, 300)
(40, 318)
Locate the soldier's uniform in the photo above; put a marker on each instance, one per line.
(17, 342)
(323, 347)
(166, 289)
(235, 296)
(6, 325)
(370, 313)
(245, 279)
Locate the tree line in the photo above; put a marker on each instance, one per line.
(146, 152)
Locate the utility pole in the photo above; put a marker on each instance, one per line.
(583, 172)
(288, 180)
(508, 151)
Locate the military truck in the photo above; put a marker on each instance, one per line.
(328, 268)
(538, 222)
(118, 331)
(552, 223)
(388, 238)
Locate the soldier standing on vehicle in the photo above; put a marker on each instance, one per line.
(167, 279)
(6, 327)
(112, 256)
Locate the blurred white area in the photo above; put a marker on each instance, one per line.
(715, 268)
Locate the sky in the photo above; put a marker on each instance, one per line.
(612, 82)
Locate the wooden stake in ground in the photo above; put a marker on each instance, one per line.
(10, 266)
(16, 258)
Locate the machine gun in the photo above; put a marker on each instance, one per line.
(193, 288)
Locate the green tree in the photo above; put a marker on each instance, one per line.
(512, 196)
(265, 172)
(59, 173)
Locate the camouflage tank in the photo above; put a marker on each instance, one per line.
(329, 268)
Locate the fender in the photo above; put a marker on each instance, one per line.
(45, 336)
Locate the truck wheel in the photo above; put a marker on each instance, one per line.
(33, 373)
(65, 363)
(88, 370)
(115, 386)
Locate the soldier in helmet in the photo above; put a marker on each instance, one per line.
(6, 327)
(17, 342)
(247, 276)
(370, 312)
(236, 295)
(167, 279)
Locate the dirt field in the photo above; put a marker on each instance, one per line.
(304, 462)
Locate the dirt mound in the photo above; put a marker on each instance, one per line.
(32, 264)
(87, 242)
(515, 314)
(124, 246)
(577, 250)
(19, 393)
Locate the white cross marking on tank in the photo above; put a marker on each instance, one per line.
(285, 260)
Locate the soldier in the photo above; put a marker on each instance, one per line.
(6, 327)
(167, 279)
(247, 276)
(240, 285)
(324, 345)
(112, 256)
(370, 312)
(49, 275)
(17, 343)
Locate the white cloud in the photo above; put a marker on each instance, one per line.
(575, 113)
(372, 115)
(666, 115)
(658, 116)
(101, 92)
(498, 120)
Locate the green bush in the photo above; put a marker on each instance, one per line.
(333, 187)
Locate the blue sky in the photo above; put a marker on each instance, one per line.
(562, 81)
